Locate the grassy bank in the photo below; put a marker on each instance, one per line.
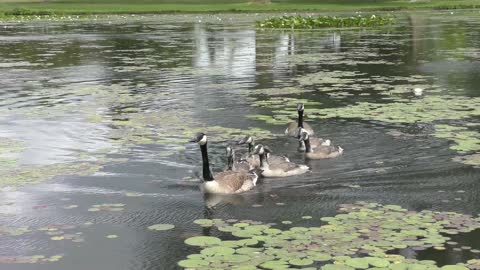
(12, 7)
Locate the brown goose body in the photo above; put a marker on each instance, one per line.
(321, 151)
(324, 152)
(254, 160)
(292, 128)
(230, 182)
(282, 169)
(314, 143)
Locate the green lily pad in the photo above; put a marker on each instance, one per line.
(357, 263)
(454, 267)
(300, 262)
(192, 263)
(274, 265)
(320, 257)
(336, 267)
(161, 227)
(378, 262)
(204, 222)
(203, 241)
(217, 251)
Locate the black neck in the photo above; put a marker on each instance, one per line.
(308, 147)
(300, 119)
(229, 163)
(207, 174)
(250, 147)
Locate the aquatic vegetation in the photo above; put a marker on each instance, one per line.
(71, 206)
(9, 151)
(330, 77)
(473, 159)
(310, 22)
(13, 231)
(29, 259)
(161, 227)
(465, 140)
(357, 238)
(19, 176)
(425, 110)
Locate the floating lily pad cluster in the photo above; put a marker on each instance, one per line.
(466, 141)
(9, 150)
(57, 232)
(113, 207)
(161, 227)
(357, 238)
(13, 231)
(310, 22)
(29, 259)
(22, 175)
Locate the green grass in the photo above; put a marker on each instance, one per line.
(168, 6)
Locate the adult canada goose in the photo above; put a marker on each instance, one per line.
(322, 151)
(254, 160)
(232, 165)
(227, 182)
(293, 126)
(278, 169)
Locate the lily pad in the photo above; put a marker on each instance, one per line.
(161, 227)
(203, 241)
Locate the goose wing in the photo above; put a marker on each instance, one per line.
(325, 149)
(292, 129)
(277, 159)
(253, 160)
(285, 166)
(316, 142)
(231, 181)
(242, 165)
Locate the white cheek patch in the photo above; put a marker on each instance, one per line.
(203, 141)
(250, 140)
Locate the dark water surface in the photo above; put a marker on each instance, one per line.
(126, 93)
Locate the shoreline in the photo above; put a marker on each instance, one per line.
(13, 10)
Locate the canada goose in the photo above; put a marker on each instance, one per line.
(232, 165)
(322, 151)
(254, 160)
(293, 126)
(278, 169)
(314, 141)
(227, 182)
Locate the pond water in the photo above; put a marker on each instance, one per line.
(95, 116)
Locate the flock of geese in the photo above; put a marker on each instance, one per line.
(242, 175)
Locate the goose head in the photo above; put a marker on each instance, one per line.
(229, 151)
(258, 150)
(302, 134)
(300, 107)
(200, 138)
(247, 139)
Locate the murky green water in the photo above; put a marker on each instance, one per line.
(95, 118)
